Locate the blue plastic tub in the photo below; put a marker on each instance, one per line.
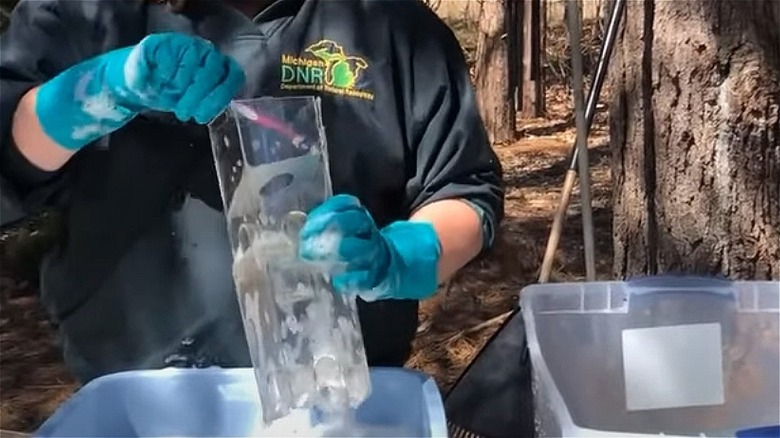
(223, 402)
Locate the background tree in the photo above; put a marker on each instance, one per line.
(495, 93)
(695, 136)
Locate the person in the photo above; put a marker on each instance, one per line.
(105, 106)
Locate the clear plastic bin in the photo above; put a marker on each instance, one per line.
(304, 339)
(217, 402)
(678, 356)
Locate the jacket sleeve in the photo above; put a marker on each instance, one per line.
(44, 38)
(454, 159)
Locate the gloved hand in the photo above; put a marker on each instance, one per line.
(399, 261)
(167, 72)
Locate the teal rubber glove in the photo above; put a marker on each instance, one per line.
(399, 261)
(166, 72)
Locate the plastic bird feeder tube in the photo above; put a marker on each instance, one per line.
(304, 339)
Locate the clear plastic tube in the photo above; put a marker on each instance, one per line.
(304, 339)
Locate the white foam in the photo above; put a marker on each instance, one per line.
(85, 132)
(101, 107)
(327, 242)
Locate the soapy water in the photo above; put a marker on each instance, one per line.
(299, 424)
(304, 340)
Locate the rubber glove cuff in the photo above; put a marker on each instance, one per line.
(412, 272)
(76, 108)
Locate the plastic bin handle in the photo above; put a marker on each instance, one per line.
(660, 283)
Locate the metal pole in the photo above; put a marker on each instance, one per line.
(601, 72)
(575, 35)
(594, 93)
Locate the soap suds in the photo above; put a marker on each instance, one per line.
(101, 108)
(327, 242)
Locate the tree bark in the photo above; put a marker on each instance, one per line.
(695, 126)
(493, 85)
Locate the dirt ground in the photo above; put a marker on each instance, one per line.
(454, 324)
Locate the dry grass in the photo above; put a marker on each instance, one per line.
(558, 51)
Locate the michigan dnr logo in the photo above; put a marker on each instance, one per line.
(325, 66)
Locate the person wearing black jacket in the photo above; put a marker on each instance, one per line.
(103, 107)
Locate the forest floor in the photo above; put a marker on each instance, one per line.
(453, 325)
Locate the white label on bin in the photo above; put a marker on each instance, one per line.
(673, 367)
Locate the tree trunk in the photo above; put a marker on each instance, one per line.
(493, 85)
(472, 10)
(695, 128)
(531, 92)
